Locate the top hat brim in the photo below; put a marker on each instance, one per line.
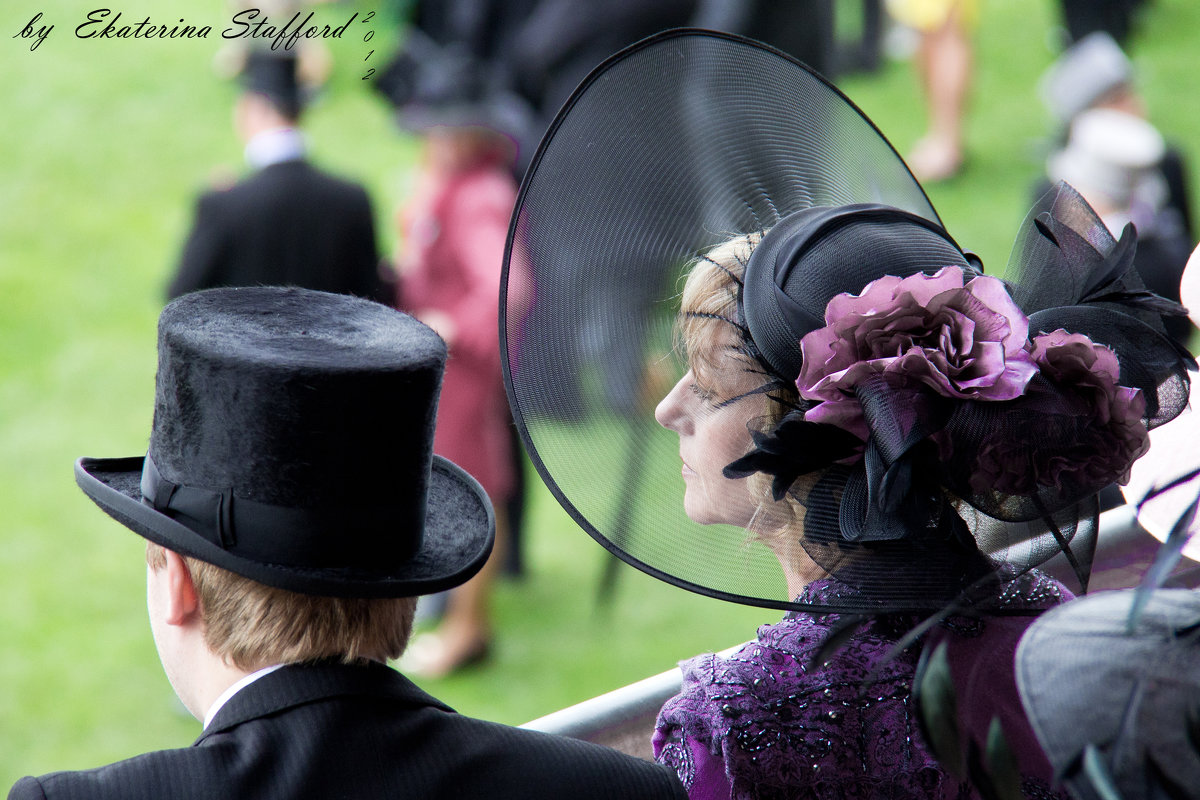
(458, 536)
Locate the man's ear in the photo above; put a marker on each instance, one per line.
(182, 602)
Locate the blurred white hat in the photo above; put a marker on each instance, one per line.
(1106, 155)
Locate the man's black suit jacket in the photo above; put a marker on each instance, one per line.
(337, 731)
(288, 224)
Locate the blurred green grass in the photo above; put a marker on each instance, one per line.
(103, 146)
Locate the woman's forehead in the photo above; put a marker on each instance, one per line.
(723, 342)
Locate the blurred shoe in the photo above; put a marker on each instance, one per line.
(431, 655)
(932, 160)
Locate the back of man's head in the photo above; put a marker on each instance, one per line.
(251, 625)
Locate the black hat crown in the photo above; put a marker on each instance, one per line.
(816, 253)
(275, 76)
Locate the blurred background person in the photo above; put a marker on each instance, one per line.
(288, 222)
(528, 55)
(558, 42)
(451, 232)
(1119, 161)
(944, 63)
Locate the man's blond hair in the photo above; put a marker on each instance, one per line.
(252, 625)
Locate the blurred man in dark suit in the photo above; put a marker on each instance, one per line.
(288, 223)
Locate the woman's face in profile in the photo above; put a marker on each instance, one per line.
(709, 409)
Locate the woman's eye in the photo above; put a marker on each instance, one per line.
(703, 393)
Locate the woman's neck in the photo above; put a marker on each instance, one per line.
(800, 575)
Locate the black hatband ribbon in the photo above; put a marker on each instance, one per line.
(296, 537)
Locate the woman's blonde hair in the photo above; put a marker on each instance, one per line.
(709, 305)
(709, 300)
(251, 625)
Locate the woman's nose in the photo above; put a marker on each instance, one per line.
(669, 411)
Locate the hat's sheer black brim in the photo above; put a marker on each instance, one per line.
(669, 147)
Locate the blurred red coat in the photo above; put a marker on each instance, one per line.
(452, 254)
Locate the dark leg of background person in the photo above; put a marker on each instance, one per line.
(1115, 17)
(638, 437)
(862, 52)
(800, 28)
(514, 562)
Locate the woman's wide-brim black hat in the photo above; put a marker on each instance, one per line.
(292, 445)
(684, 141)
(666, 149)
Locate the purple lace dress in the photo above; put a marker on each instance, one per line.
(764, 724)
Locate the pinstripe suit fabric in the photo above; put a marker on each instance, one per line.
(336, 731)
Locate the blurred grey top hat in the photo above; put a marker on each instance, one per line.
(1085, 72)
(1114, 707)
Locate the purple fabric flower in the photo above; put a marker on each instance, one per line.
(1074, 359)
(1102, 426)
(1089, 427)
(963, 341)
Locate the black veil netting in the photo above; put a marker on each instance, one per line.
(672, 146)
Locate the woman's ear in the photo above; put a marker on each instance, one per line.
(182, 603)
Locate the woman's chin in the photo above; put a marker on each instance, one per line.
(706, 511)
(699, 512)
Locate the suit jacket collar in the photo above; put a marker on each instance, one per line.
(297, 684)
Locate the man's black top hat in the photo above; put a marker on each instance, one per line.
(293, 445)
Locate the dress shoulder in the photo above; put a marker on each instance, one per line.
(842, 728)
(780, 725)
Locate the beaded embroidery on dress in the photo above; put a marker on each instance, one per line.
(787, 729)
